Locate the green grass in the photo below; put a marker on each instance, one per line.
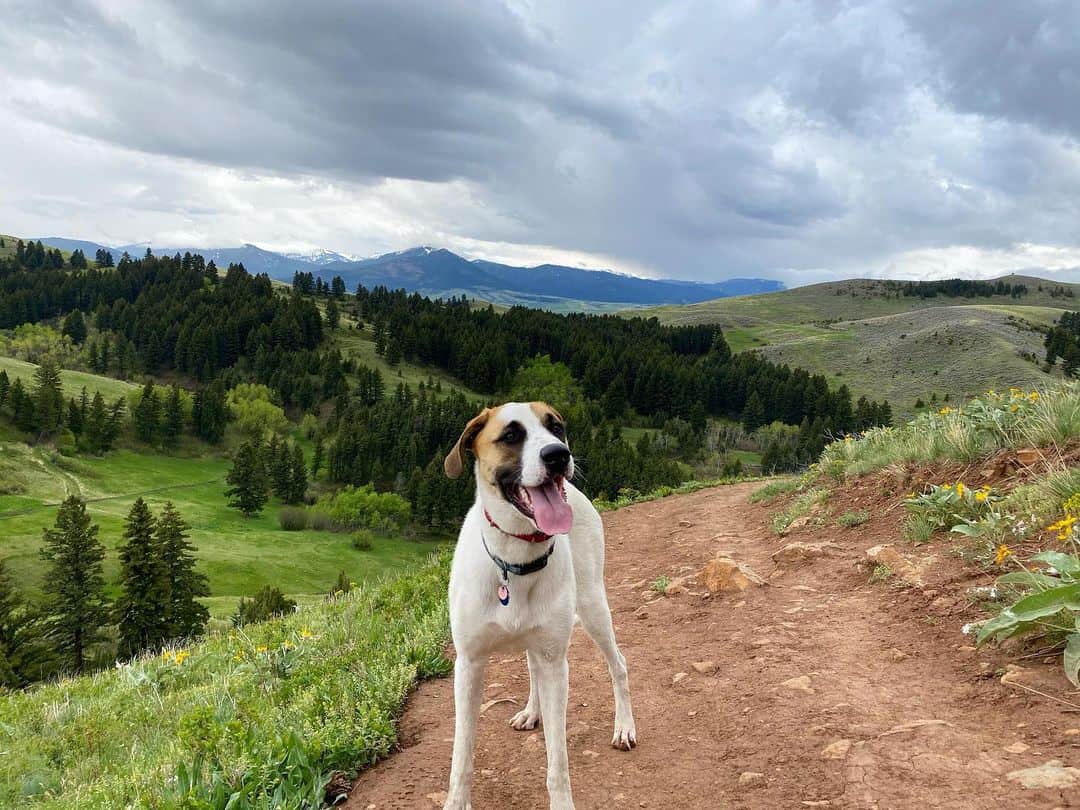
(260, 718)
(238, 554)
(887, 348)
(855, 517)
(800, 506)
(361, 347)
(73, 381)
(773, 490)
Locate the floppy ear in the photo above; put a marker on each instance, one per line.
(455, 459)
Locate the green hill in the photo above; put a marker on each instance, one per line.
(901, 348)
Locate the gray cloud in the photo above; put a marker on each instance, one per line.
(689, 138)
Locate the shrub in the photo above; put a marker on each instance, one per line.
(363, 540)
(856, 517)
(364, 508)
(293, 518)
(321, 522)
(268, 603)
(799, 507)
(660, 584)
(774, 490)
(955, 507)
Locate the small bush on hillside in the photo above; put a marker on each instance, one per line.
(801, 506)
(856, 517)
(363, 540)
(293, 518)
(269, 603)
(321, 522)
(364, 508)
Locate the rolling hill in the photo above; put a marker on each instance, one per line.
(440, 273)
(901, 348)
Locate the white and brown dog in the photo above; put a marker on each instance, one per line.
(529, 559)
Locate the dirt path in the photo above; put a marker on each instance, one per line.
(828, 691)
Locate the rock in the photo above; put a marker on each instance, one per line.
(1028, 456)
(1052, 774)
(533, 743)
(590, 754)
(641, 613)
(704, 667)
(836, 750)
(678, 678)
(897, 655)
(751, 779)
(900, 565)
(1017, 747)
(799, 684)
(686, 524)
(725, 575)
(798, 552)
(1071, 732)
(675, 588)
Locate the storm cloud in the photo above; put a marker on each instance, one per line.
(802, 140)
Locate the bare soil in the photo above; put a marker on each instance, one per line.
(824, 689)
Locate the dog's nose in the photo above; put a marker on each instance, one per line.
(556, 458)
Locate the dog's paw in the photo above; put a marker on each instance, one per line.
(625, 736)
(525, 720)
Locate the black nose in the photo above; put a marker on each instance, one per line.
(556, 457)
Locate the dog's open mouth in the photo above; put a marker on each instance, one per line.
(545, 504)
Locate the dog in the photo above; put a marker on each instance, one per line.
(529, 561)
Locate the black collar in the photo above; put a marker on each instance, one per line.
(518, 569)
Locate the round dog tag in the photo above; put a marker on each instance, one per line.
(504, 595)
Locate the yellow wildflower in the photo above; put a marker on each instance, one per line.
(1063, 527)
(261, 648)
(287, 645)
(1034, 396)
(1014, 407)
(1003, 552)
(238, 655)
(305, 633)
(181, 656)
(980, 496)
(960, 488)
(945, 411)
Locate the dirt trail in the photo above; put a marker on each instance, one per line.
(828, 691)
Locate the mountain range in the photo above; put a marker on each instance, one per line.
(438, 272)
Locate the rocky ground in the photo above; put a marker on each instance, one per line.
(775, 672)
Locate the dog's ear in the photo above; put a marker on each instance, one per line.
(455, 459)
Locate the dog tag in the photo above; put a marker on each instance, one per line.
(504, 595)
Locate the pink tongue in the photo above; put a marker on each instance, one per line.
(550, 510)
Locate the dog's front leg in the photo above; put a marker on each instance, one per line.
(468, 692)
(553, 676)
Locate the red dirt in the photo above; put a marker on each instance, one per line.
(883, 667)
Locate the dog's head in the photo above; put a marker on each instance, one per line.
(522, 459)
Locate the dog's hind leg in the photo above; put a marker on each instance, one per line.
(595, 616)
(468, 692)
(528, 718)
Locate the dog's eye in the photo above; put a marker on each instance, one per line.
(558, 430)
(512, 435)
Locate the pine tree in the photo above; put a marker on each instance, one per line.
(144, 599)
(333, 315)
(74, 417)
(48, 398)
(5, 388)
(298, 476)
(317, 457)
(248, 479)
(281, 468)
(185, 615)
(173, 423)
(209, 413)
(147, 415)
(24, 655)
(74, 584)
(753, 415)
(75, 327)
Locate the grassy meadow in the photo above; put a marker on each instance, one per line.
(72, 381)
(901, 349)
(239, 555)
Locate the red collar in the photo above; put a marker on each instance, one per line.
(532, 537)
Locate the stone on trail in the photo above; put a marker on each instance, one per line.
(1052, 774)
(725, 575)
(704, 667)
(751, 779)
(799, 684)
(799, 552)
(900, 565)
(836, 750)
(1017, 747)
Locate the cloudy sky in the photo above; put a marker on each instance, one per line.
(706, 140)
